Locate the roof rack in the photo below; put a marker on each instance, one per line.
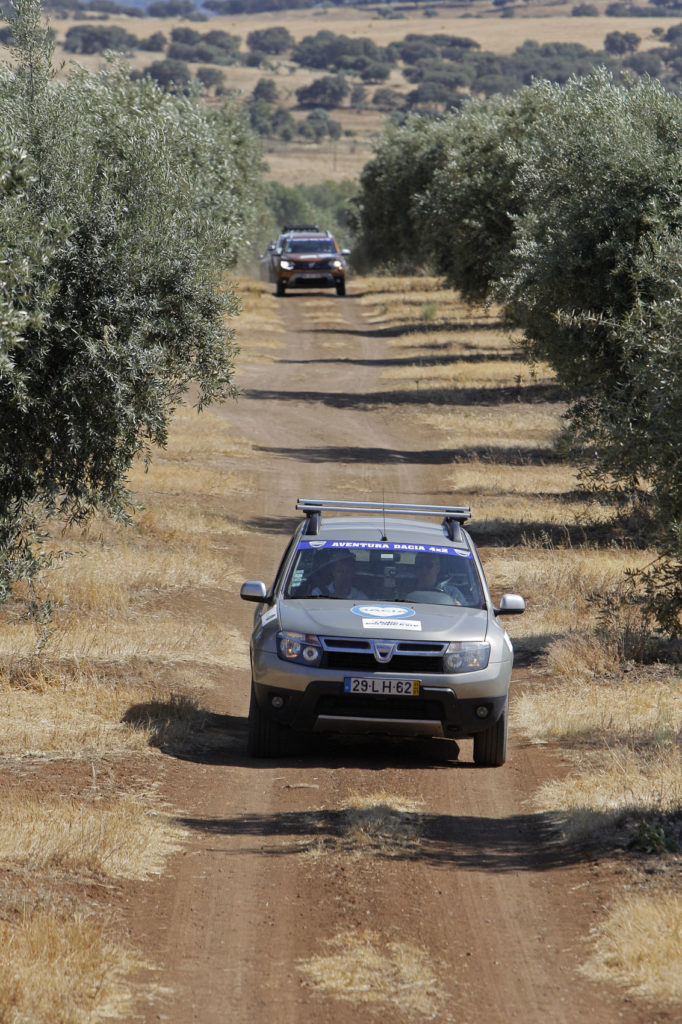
(453, 515)
(299, 227)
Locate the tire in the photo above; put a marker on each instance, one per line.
(340, 288)
(281, 290)
(265, 738)
(490, 746)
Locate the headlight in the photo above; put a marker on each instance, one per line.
(466, 656)
(286, 264)
(337, 264)
(303, 648)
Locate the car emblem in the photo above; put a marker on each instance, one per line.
(383, 650)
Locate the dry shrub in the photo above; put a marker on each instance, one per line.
(381, 823)
(361, 967)
(640, 946)
(620, 783)
(591, 707)
(175, 723)
(57, 970)
(65, 712)
(120, 838)
(624, 730)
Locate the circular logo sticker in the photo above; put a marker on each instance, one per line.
(382, 611)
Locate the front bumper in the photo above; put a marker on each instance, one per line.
(315, 701)
(310, 279)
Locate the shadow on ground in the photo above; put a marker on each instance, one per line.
(364, 454)
(417, 362)
(519, 842)
(522, 394)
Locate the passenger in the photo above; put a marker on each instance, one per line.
(429, 573)
(342, 564)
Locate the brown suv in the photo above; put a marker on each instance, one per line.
(311, 260)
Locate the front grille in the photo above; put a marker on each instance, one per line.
(353, 662)
(355, 654)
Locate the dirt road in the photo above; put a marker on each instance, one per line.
(428, 884)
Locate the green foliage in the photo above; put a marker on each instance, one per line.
(97, 38)
(122, 207)
(325, 204)
(273, 40)
(652, 838)
(155, 43)
(621, 42)
(318, 125)
(171, 74)
(329, 91)
(327, 50)
(265, 89)
(210, 77)
(387, 215)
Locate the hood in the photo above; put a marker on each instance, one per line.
(330, 617)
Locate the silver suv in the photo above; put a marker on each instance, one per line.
(380, 622)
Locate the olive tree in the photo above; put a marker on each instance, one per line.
(122, 208)
(387, 215)
(469, 208)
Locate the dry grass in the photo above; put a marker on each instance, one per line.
(93, 836)
(603, 705)
(378, 824)
(260, 329)
(640, 946)
(363, 968)
(62, 970)
(619, 785)
(66, 713)
(381, 823)
(622, 731)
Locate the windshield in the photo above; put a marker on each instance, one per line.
(310, 245)
(384, 572)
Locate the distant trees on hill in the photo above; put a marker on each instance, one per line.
(96, 38)
(442, 69)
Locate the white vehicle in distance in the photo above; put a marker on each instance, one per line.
(379, 621)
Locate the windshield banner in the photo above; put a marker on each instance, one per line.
(377, 545)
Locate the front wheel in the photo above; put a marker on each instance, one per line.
(265, 738)
(490, 746)
(340, 288)
(280, 290)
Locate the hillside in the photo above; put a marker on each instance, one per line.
(303, 161)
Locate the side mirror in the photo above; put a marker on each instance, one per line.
(271, 247)
(345, 252)
(511, 604)
(253, 590)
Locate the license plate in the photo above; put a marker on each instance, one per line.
(381, 687)
(308, 276)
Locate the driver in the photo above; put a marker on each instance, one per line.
(428, 567)
(341, 584)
